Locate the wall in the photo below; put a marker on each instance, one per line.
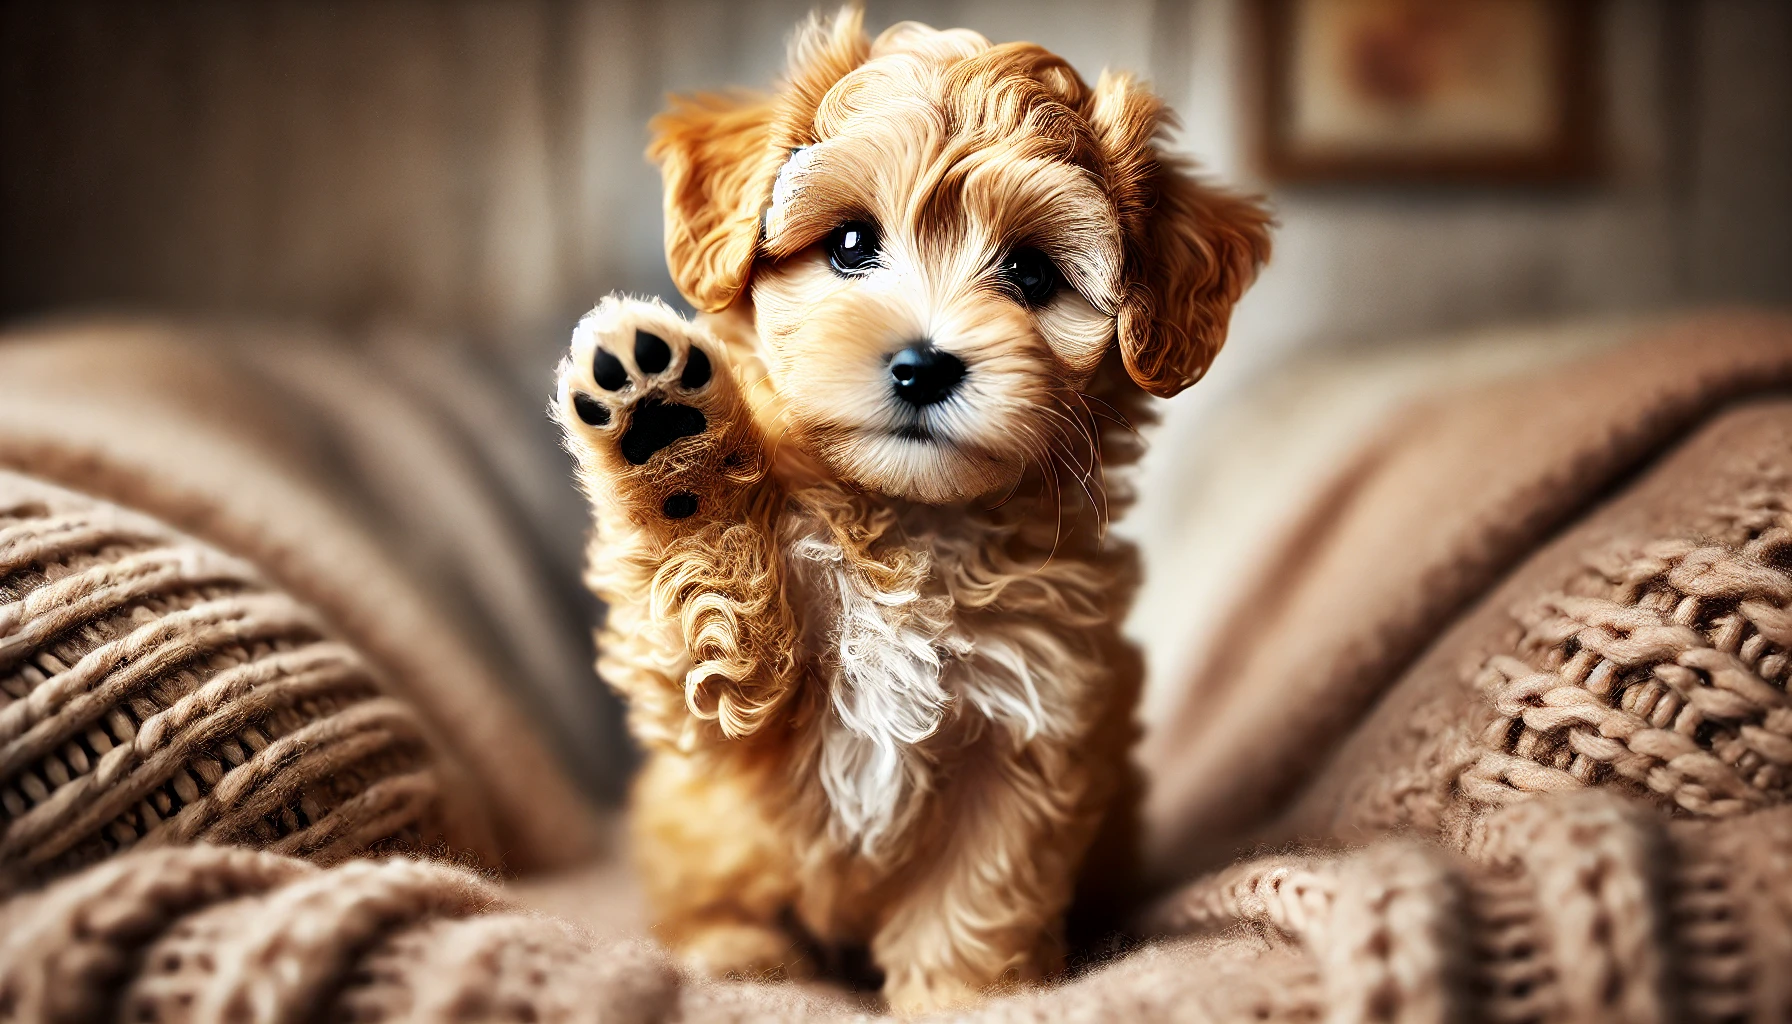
(1696, 204)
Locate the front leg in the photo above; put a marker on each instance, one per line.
(987, 909)
(716, 864)
(698, 635)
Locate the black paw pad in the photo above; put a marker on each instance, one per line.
(682, 505)
(652, 354)
(696, 370)
(590, 409)
(656, 425)
(607, 370)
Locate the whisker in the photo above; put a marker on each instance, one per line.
(1091, 468)
(1113, 414)
(1084, 467)
(1028, 457)
(1099, 457)
(1083, 480)
(1049, 466)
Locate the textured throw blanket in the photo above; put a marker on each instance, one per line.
(1502, 732)
(147, 472)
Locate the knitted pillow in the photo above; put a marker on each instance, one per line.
(155, 691)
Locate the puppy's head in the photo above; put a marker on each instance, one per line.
(940, 240)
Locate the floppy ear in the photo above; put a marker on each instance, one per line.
(719, 154)
(717, 163)
(1190, 249)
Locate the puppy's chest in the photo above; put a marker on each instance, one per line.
(911, 668)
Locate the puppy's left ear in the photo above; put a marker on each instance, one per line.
(1191, 249)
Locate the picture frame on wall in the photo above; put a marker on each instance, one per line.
(1474, 91)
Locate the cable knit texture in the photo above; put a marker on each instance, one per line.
(179, 424)
(1569, 908)
(1566, 802)
(154, 691)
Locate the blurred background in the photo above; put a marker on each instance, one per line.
(434, 190)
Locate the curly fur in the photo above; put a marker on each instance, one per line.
(880, 679)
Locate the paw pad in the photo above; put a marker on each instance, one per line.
(608, 371)
(645, 384)
(590, 410)
(652, 354)
(696, 370)
(657, 424)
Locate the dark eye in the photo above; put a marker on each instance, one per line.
(853, 248)
(1031, 273)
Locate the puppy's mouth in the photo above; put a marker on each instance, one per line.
(912, 456)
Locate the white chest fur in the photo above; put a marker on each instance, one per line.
(900, 663)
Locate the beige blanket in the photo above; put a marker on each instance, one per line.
(1502, 732)
(328, 472)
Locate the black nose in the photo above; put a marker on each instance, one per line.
(925, 375)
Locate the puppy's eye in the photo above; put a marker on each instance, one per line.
(853, 247)
(1031, 273)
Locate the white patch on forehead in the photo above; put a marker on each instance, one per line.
(784, 189)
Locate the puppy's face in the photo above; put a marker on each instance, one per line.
(939, 282)
(940, 252)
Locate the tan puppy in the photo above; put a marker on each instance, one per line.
(849, 523)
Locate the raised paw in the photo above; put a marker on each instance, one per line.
(653, 415)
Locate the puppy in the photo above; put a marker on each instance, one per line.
(849, 522)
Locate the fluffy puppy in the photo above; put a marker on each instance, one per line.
(849, 522)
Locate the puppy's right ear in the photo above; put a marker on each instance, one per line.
(717, 162)
(720, 154)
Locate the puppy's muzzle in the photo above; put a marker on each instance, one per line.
(922, 375)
